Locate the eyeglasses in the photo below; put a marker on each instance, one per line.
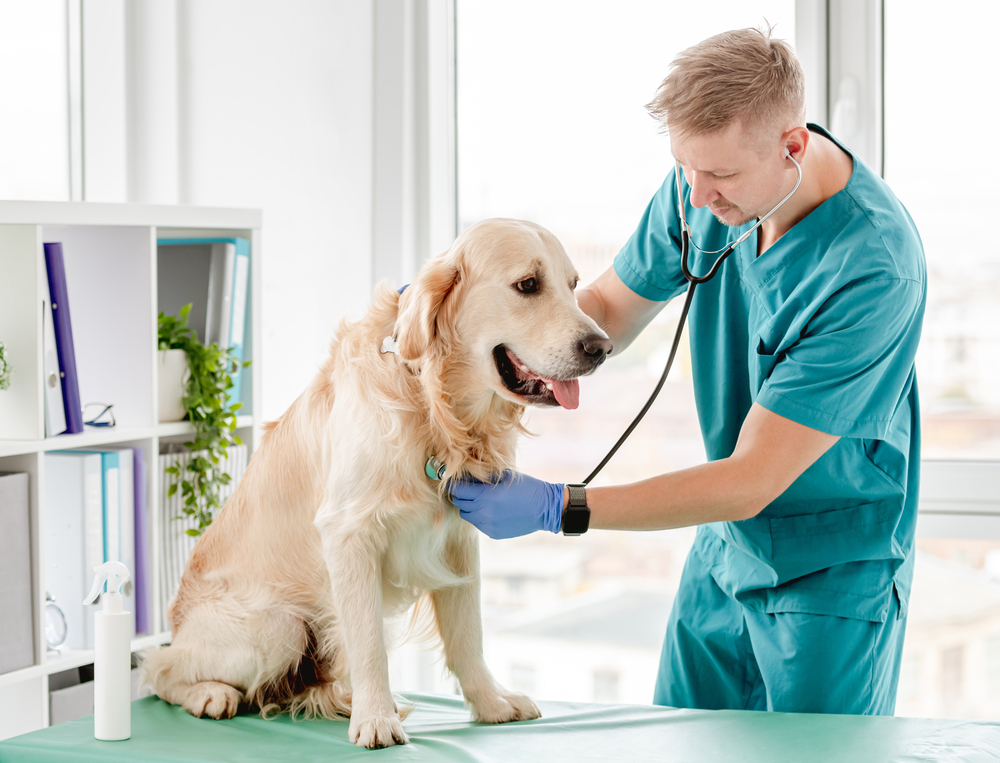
(99, 414)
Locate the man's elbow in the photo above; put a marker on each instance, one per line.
(757, 492)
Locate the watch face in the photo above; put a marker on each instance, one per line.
(55, 626)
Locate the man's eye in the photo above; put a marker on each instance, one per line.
(527, 286)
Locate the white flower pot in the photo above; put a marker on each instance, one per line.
(174, 372)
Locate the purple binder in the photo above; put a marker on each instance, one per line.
(143, 622)
(64, 337)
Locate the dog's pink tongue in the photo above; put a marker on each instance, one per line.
(567, 393)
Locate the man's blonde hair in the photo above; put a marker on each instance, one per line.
(739, 76)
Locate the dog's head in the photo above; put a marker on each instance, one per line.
(500, 305)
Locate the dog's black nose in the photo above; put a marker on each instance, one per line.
(596, 347)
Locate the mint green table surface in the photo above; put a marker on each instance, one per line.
(440, 730)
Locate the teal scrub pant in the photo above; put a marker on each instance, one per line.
(718, 655)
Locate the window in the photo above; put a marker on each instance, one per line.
(34, 132)
(606, 686)
(522, 678)
(951, 655)
(954, 620)
(993, 668)
(552, 128)
(944, 176)
(952, 675)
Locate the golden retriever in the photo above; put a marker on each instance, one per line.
(335, 524)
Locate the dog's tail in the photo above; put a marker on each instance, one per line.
(330, 700)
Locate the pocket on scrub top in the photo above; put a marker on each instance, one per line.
(762, 349)
(806, 543)
(763, 364)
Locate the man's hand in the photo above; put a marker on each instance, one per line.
(515, 504)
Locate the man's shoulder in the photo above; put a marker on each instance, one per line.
(881, 237)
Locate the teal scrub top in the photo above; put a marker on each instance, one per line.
(822, 328)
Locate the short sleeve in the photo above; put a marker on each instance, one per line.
(853, 363)
(649, 264)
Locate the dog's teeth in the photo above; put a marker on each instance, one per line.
(548, 386)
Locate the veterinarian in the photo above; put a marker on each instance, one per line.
(795, 593)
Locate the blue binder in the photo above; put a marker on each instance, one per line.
(64, 337)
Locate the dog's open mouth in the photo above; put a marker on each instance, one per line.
(538, 390)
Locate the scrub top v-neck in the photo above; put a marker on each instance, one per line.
(821, 328)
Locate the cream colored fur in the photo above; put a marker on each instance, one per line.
(334, 526)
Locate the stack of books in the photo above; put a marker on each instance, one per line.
(185, 267)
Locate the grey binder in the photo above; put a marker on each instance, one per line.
(17, 634)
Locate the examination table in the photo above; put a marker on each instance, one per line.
(440, 730)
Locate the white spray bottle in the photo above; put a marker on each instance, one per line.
(112, 655)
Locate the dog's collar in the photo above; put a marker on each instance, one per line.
(389, 345)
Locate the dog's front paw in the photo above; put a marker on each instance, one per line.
(504, 707)
(213, 699)
(377, 731)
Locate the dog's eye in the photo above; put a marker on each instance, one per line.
(527, 286)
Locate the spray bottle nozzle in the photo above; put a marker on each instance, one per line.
(114, 574)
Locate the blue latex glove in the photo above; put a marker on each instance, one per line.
(515, 504)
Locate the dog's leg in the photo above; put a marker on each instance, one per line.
(353, 558)
(459, 621)
(227, 652)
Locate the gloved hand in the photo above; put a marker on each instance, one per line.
(515, 504)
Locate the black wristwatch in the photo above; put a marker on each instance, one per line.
(576, 516)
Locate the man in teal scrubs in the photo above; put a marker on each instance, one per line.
(794, 595)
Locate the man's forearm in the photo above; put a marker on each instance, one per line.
(771, 452)
(713, 492)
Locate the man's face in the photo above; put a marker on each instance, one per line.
(728, 174)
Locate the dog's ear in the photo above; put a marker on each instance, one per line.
(421, 322)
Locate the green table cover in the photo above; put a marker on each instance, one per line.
(440, 730)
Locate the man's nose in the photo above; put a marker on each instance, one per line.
(702, 192)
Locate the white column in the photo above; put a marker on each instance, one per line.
(811, 48)
(413, 209)
(105, 174)
(151, 54)
(855, 79)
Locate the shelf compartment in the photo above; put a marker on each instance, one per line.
(69, 659)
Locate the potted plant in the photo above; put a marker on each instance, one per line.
(207, 408)
(4, 368)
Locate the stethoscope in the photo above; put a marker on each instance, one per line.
(693, 280)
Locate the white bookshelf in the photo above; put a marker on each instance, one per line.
(111, 265)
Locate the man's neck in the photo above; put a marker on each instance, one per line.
(826, 169)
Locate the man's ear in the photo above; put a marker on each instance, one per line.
(417, 325)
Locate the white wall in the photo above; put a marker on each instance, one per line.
(275, 112)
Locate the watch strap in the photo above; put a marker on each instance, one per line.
(576, 516)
